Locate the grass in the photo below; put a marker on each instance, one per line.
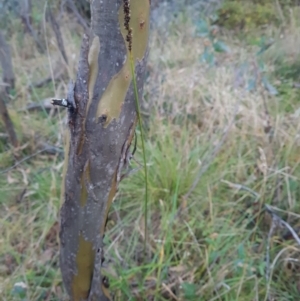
(209, 246)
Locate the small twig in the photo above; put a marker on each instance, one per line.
(270, 234)
(56, 76)
(275, 222)
(281, 222)
(25, 14)
(63, 102)
(51, 149)
(284, 211)
(23, 160)
(81, 21)
(58, 35)
(20, 196)
(113, 243)
(130, 172)
(41, 83)
(270, 209)
(241, 187)
(43, 105)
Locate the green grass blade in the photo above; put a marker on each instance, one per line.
(138, 111)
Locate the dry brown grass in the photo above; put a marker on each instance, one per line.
(211, 246)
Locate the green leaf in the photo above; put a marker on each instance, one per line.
(19, 289)
(264, 45)
(293, 185)
(220, 46)
(202, 28)
(208, 57)
(262, 268)
(189, 290)
(241, 251)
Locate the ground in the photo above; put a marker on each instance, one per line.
(221, 113)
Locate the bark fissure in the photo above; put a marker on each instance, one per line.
(98, 145)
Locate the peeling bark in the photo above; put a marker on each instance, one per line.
(102, 120)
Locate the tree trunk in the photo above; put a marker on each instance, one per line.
(102, 120)
(6, 64)
(8, 83)
(25, 14)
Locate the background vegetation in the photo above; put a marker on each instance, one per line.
(221, 110)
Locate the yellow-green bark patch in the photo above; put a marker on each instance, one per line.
(113, 98)
(111, 196)
(85, 264)
(93, 65)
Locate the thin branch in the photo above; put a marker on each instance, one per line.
(270, 234)
(276, 221)
(25, 14)
(44, 105)
(81, 21)
(58, 73)
(24, 160)
(281, 222)
(58, 35)
(62, 102)
(270, 209)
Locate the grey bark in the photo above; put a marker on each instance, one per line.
(8, 76)
(8, 83)
(97, 153)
